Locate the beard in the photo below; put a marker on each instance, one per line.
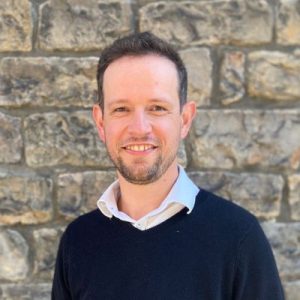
(139, 172)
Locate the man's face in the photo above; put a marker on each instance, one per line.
(141, 124)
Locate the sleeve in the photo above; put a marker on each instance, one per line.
(60, 287)
(256, 275)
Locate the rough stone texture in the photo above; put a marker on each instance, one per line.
(237, 139)
(40, 291)
(78, 192)
(15, 25)
(63, 138)
(78, 25)
(274, 75)
(232, 81)
(25, 200)
(294, 196)
(292, 290)
(199, 67)
(209, 22)
(284, 239)
(11, 143)
(13, 255)
(259, 193)
(45, 245)
(53, 82)
(242, 55)
(288, 20)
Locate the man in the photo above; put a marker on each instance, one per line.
(156, 235)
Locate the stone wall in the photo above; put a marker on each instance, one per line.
(243, 59)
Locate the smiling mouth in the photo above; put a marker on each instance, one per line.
(139, 148)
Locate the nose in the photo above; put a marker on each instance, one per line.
(139, 124)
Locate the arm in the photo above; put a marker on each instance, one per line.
(60, 287)
(256, 276)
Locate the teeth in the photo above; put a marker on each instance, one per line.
(139, 148)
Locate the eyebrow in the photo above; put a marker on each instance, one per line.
(125, 101)
(117, 102)
(162, 100)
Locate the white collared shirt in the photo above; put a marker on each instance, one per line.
(182, 194)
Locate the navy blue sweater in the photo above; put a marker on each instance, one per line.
(219, 251)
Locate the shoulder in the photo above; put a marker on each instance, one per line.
(220, 206)
(223, 215)
(86, 224)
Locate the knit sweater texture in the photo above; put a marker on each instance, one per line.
(216, 252)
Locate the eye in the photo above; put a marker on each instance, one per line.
(120, 109)
(158, 108)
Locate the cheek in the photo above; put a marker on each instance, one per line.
(168, 131)
(113, 133)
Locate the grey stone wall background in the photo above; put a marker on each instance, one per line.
(243, 59)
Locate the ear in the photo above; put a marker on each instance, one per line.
(187, 115)
(98, 119)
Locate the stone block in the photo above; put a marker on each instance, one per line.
(15, 25)
(274, 75)
(14, 264)
(11, 143)
(209, 22)
(292, 290)
(48, 81)
(78, 193)
(38, 291)
(284, 239)
(77, 25)
(294, 195)
(63, 138)
(245, 138)
(288, 22)
(232, 77)
(199, 67)
(46, 242)
(25, 200)
(261, 194)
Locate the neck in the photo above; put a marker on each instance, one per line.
(138, 200)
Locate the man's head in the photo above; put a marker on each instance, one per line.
(140, 44)
(141, 120)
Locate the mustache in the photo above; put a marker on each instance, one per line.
(145, 140)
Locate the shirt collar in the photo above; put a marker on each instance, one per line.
(184, 191)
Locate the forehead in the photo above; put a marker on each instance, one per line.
(143, 76)
(131, 65)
